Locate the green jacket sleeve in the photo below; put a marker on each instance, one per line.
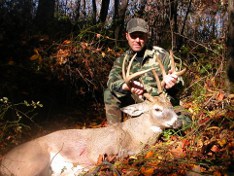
(115, 79)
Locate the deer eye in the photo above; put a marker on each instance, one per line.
(157, 109)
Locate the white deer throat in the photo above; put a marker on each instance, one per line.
(156, 129)
(59, 165)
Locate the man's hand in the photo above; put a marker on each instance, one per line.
(170, 80)
(136, 87)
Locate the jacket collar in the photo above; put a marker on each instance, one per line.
(146, 53)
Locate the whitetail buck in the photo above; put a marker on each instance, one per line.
(61, 152)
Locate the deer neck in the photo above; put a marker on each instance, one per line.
(142, 129)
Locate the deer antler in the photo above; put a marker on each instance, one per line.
(127, 77)
(173, 68)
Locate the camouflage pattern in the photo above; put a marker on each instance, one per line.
(115, 97)
(137, 25)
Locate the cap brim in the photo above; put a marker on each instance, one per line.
(138, 29)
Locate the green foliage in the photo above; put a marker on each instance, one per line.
(166, 134)
(14, 116)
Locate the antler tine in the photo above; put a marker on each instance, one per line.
(123, 67)
(162, 70)
(173, 68)
(157, 81)
(127, 77)
(172, 61)
(147, 95)
(130, 64)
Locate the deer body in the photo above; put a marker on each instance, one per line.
(67, 148)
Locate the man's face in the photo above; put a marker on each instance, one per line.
(136, 40)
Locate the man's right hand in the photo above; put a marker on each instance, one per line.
(136, 87)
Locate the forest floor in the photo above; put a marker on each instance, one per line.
(207, 148)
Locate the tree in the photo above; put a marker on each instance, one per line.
(94, 11)
(77, 10)
(120, 7)
(230, 44)
(179, 39)
(173, 20)
(104, 10)
(45, 14)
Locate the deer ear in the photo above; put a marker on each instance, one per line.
(135, 109)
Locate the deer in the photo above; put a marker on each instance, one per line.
(74, 151)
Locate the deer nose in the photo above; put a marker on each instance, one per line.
(177, 124)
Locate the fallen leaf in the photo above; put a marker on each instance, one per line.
(184, 143)
(98, 35)
(147, 171)
(100, 160)
(149, 154)
(220, 95)
(217, 113)
(65, 42)
(103, 54)
(217, 173)
(222, 142)
(196, 170)
(178, 152)
(214, 148)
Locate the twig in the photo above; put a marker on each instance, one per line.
(103, 164)
(199, 44)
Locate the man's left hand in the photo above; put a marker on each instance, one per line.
(170, 79)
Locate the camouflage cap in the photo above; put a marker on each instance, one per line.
(137, 25)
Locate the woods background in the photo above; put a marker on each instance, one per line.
(54, 36)
(59, 52)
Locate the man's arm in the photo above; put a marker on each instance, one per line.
(115, 80)
(116, 83)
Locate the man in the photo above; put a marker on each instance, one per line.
(119, 94)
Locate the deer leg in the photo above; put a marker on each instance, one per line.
(27, 159)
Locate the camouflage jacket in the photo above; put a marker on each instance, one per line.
(116, 81)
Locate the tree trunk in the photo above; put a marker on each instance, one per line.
(84, 9)
(104, 10)
(118, 19)
(94, 11)
(180, 38)
(45, 14)
(77, 11)
(173, 21)
(27, 10)
(230, 45)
